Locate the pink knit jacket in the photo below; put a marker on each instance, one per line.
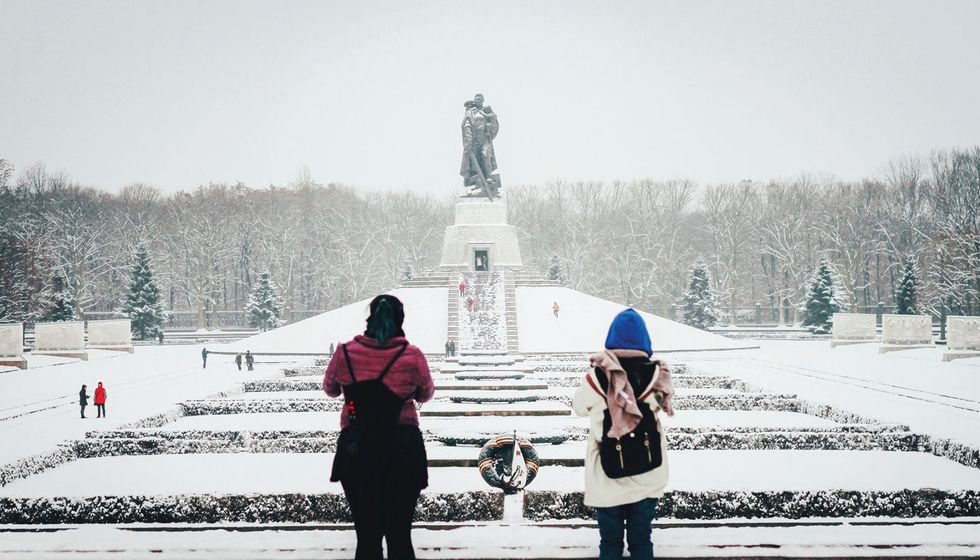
(409, 376)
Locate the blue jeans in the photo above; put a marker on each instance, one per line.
(638, 518)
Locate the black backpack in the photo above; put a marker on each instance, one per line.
(636, 452)
(373, 411)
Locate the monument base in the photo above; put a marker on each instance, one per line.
(116, 348)
(951, 355)
(885, 348)
(480, 239)
(19, 363)
(82, 355)
(836, 343)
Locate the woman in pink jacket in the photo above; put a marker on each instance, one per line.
(380, 458)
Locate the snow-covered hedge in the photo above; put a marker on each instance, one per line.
(837, 440)
(540, 506)
(492, 399)
(488, 375)
(303, 371)
(211, 407)
(735, 401)
(170, 446)
(680, 382)
(252, 508)
(279, 385)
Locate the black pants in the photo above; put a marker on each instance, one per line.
(382, 510)
(83, 410)
(383, 492)
(100, 410)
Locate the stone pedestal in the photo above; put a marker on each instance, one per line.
(480, 232)
(853, 328)
(112, 334)
(65, 339)
(963, 338)
(901, 332)
(12, 345)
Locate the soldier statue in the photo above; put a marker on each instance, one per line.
(479, 167)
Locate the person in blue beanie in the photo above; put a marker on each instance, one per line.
(622, 396)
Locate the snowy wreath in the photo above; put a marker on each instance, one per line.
(496, 463)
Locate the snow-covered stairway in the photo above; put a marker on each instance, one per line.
(726, 461)
(482, 313)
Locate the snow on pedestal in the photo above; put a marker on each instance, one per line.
(12, 345)
(853, 328)
(65, 338)
(962, 338)
(899, 332)
(113, 334)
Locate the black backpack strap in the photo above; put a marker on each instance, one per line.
(384, 372)
(347, 359)
(603, 378)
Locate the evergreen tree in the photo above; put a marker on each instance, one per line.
(555, 270)
(62, 302)
(821, 299)
(143, 305)
(264, 305)
(699, 300)
(907, 296)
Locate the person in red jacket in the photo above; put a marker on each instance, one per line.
(382, 465)
(100, 401)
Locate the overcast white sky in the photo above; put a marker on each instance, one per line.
(178, 94)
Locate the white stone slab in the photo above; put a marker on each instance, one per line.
(112, 332)
(962, 338)
(912, 330)
(852, 328)
(12, 340)
(65, 336)
(963, 333)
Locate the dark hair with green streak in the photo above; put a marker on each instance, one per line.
(385, 321)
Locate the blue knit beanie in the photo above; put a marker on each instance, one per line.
(628, 331)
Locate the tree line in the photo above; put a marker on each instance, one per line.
(634, 242)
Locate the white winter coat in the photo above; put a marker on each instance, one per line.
(600, 490)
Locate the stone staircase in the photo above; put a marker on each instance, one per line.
(510, 293)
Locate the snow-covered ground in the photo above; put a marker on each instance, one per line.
(501, 540)
(39, 405)
(913, 387)
(426, 319)
(583, 322)
(261, 473)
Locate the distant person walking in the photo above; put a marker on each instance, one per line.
(238, 361)
(332, 348)
(249, 360)
(83, 400)
(452, 347)
(625, 477)
(100, 401)
(204, 356)
(470, 303)
(462, 286)
(555, 309)
(448, 349)
(160, 336)
(380, 459)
